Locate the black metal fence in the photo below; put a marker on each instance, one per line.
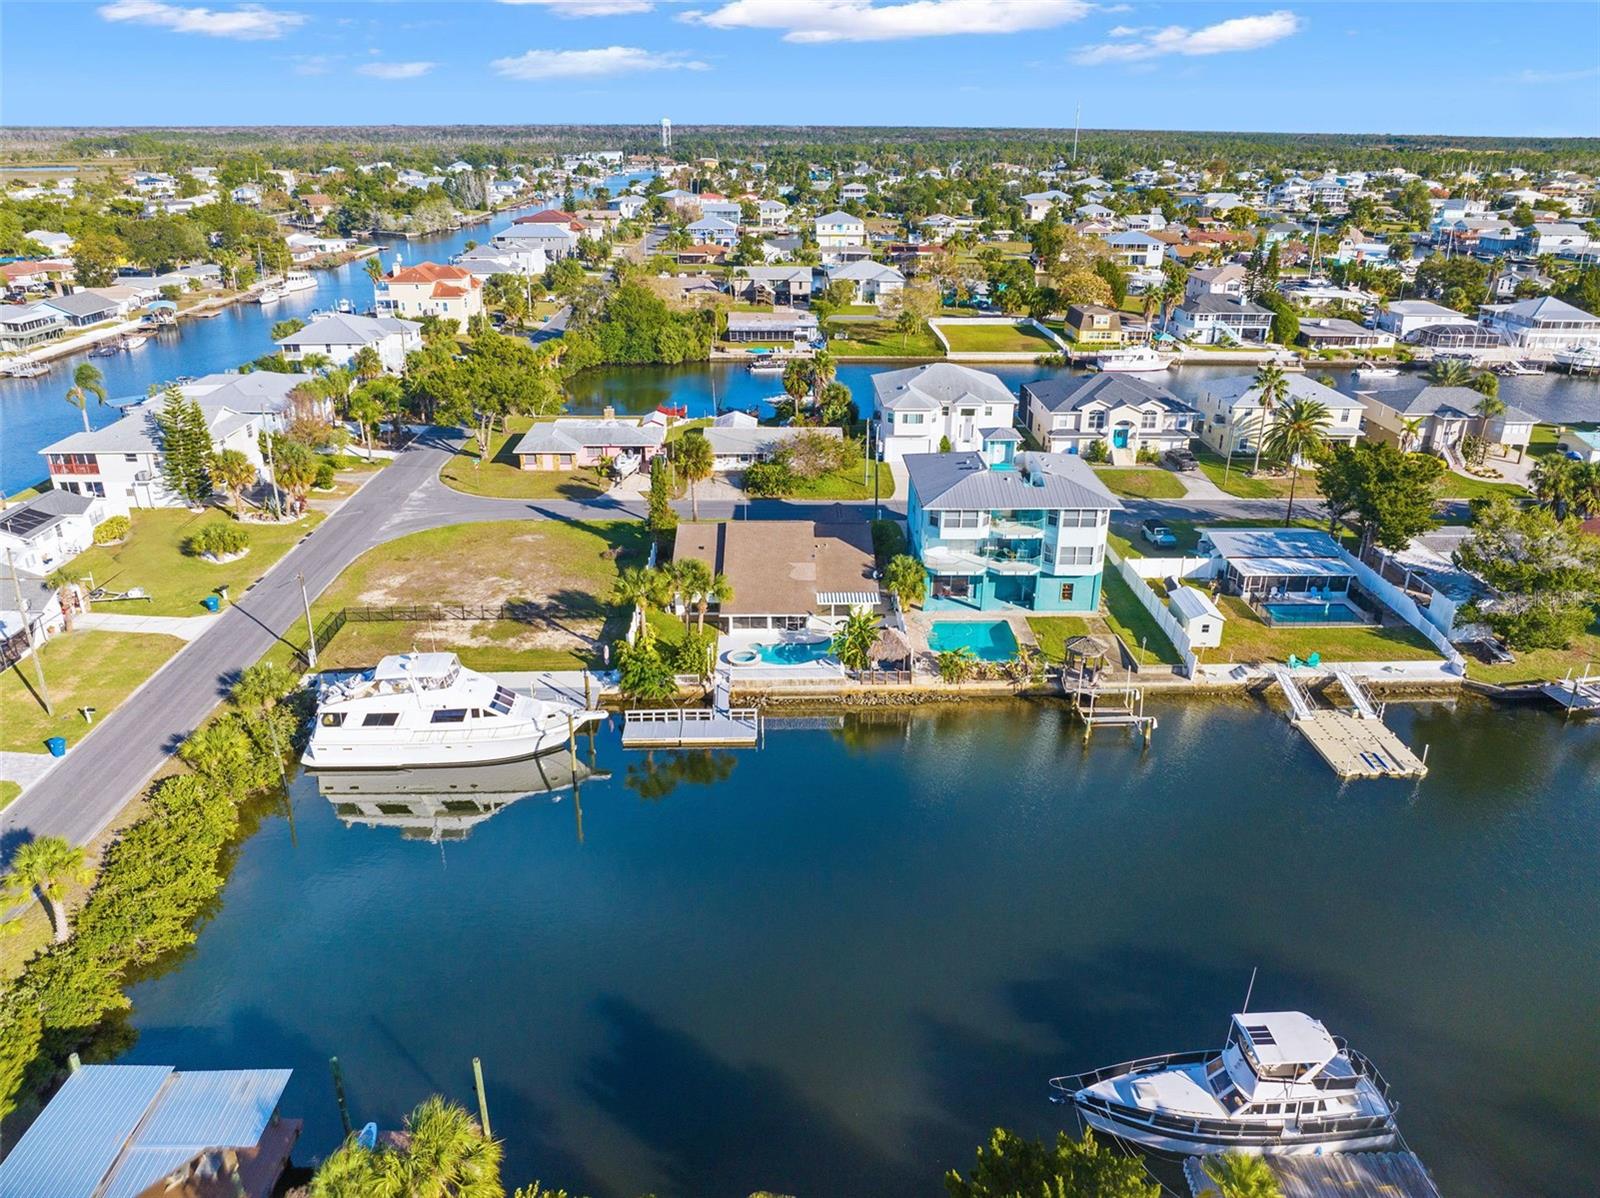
(424, 613)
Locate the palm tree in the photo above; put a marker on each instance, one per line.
(1556, 483)
(45, 866)
(697, 583)
(61, 582)
(797, 383)
(443, 1154)
(1239, 1176)
(694, 461)
(1490, 406)
(1411, 432)
(368, 365)
(1272, 388)
(823, 368)
(1449, 372)
(641, 586)
(852, 643)
(86, 381)
(1299, 432)
(231, 472)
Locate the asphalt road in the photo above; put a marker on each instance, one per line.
(79, 798)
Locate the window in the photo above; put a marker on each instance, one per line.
(908, 418)
(1147, 420)
(1067, 588)
(953, 519)
(450, 715)
(130, 457)
(953, 586)
(333, 719)
(381, 719)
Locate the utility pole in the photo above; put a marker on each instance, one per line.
(311, 632)
(27, 628)
(1077, 121)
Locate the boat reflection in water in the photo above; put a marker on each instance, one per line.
(438, 803)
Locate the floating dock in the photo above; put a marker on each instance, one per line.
(691, 727)
(1580, 696)
(1355, 746)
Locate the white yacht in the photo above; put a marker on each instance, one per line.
(1142, 358)
(297, 280)
(1280, 1085)
(1378, 372)
(1578, 358)
(269, 295)
(417, 709)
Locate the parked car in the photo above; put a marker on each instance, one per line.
(1157, 533)
(1180, 459)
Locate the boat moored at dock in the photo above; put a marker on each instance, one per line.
(1280, 1085)
(417, 709)
(1132, 361)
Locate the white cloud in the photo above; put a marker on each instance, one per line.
(314, 64)
(1536, 75)
(867, 21)
(395, 70)
(589, 8)
(1225, 37)
(249, 22)
(578, 64)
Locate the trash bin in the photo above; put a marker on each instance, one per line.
(211, 603)
(57, 746)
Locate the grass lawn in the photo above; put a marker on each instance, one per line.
(846, 484)
(1142, 484)
(152, 557)
(81, 669)
(1245, 637)
(1239, 483)
(500, 477)
(1053, 633)
(1126, 616)
(1461, 486)
(8, 791)
(879, 339)
(996, 339)
(1544, 665)
(569, 565)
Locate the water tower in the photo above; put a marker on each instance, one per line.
(666, 133)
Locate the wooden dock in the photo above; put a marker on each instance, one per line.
(691, 727)
(1104, 703)
(1580, 696)
(1355, 746)
(1334, 1175)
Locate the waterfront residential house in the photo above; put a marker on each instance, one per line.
(49, 530)
(1545, 324)
(791, 575)
(779, 325)
(915, 409)
(1228, 279)
(840, 230)
(778, 285)
(1406, 318)
(143, 1131)
(627, 206)
(1136, 251)
(1232, 419)
(1435, 419)
(341, 337)
(1093, 324)
(1263, 563)
(485, 261)
(1331, 332)
(576, 442)
(1031, 534)
(1067, 415)
(1554, 237)
(714, 230)
(28, 326)
(871, 281)
(556, 241)
(429, 289)
(83, 309)
(772, 213)
(1219, 320)
(738, 439)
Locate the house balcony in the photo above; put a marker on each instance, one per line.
(1017, 524)
(985, 558)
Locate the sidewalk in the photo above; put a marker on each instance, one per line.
(185, 628)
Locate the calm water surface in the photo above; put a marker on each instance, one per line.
(830, 966)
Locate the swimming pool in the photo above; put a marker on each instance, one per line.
(793, 653)
(1332, 611)
(988, 641)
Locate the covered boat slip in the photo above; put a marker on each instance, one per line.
(1335, 1175)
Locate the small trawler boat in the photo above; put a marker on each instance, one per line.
(1378, 372)
(1578, 359)
(26, 370)
(297, 280)
(135, 341)
(269, 295)
(1519, 368)
(766, 365)
(346, 308)
(1131, 360)
(1281, 1085)
(415, 709)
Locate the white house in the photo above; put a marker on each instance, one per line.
(59, 245)
(1232, 418)
(1545, 323)
(1405, 318)
(871, 280)
(840, 230)
(738, 439)
(1137, 251)
(1228, 279)
(713, 230)
(1067, 415)
(1220, 320)
(914, 410)
(341, 337)
(49, 530)
(771, 213)
(1037, 205)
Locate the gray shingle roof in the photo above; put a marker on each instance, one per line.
(1223, 305)
(1454, 402)
(1069, 394)
(569, 436)
(937, 385)
(338, 329)
(962, 481)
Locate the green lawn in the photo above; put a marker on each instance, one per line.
(997, 339)
(500, 477)
(81, 669)
(847, 484)
(879, 339)
(1544, 665)
(1142, 484)
(1239, 483)
(1126, 616)
(569, 565)
(152, 557)
(1246, 637)
(1053, 633)
(8, 791)
(1461, 486)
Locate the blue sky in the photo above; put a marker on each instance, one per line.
(1294, 65)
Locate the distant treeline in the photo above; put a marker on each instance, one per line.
(1109, 151)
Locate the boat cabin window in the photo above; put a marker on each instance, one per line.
(332, 719)
(380, 719)
(450, 715)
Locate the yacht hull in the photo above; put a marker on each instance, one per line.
(325, 752)
(1188, 1144)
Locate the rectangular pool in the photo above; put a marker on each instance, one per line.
(989, 641)
(1330, 611)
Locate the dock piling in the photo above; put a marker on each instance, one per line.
(483, 1103)
(338, 1094)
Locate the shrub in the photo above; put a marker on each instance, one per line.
(221, 538)
(1096, 452)
(325, 474)
(888, 541)
(692, 655)
(768, 480)
(113, 528)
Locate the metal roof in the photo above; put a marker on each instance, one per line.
(77, 1138)
(1056, 394)
(1235, 543)
(938, 385)
(963, 482)
(338, 329)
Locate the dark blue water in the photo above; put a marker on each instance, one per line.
(830, 966)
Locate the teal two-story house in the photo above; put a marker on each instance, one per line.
(1029, 533)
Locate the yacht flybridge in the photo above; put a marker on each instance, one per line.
(415, 709)
(1280, 1085)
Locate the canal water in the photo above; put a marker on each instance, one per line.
(831, 966)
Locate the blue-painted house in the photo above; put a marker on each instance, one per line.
(1028, 533)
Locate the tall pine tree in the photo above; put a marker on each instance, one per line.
(185, 447)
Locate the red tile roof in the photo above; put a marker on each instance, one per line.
(432, 272)
(552, 216)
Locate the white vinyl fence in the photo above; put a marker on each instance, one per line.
(1157, 609)
(1404, 606)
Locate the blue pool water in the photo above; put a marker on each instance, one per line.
(794, 653)
(1335, 611)
(988, 642)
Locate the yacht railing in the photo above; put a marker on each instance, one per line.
(1072, 1082)
(1250, 1130)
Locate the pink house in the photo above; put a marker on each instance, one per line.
(572, 442)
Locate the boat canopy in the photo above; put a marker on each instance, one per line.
(1279, 1038)
(399, 666)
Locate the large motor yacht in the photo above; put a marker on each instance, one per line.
(1280, 1085)
(1139, 360)
(428, 709)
